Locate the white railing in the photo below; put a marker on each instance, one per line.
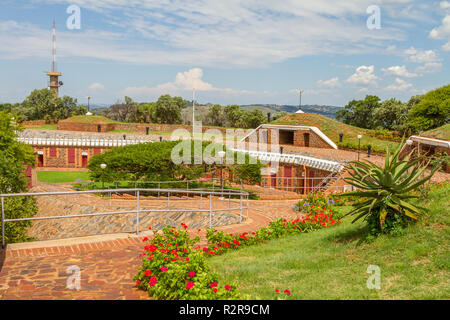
(80, 142)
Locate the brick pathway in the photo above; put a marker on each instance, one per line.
(107, 267)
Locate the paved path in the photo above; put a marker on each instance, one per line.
(38, 270)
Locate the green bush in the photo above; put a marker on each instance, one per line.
(172, 269)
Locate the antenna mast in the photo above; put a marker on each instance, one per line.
(54, 47)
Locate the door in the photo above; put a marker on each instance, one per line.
(288, 177)
(273, 180)
(84, 160)
(306, 137)
(40, 160)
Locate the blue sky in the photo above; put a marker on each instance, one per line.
(235, 51)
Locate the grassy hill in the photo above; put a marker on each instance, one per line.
(438, 133)
(332, 263)
(332, 128)
(89, 119)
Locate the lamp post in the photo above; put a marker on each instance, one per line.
(221, 155)
(359, 144)
(103, 166)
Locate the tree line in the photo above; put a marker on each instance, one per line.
(420, 113)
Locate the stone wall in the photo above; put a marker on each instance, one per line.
(86, 127)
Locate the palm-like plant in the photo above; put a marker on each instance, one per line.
(388, 189)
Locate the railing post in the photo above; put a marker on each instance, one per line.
(247, 206)
(3, 223)
(210, 211)
(168, 199)
(137, 212)
(240, 213)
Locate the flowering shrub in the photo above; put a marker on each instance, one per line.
(172, 269)
(220, 242)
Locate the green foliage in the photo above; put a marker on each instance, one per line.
(123, 111)
(433, 110)
(359, 113)
(14, 157)
(388, 191)
(168, 109)
(233, 115)
(44, 105)
(172, 270)
(314, 218)
(153, 162)
(215, 116)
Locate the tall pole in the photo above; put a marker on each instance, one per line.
(54, 47)
(89, 98)
(300, 98)
(193, 112)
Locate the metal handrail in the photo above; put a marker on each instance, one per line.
(242, 194)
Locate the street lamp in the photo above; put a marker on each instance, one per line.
(359, 144)
(103, 166)
(221, 155)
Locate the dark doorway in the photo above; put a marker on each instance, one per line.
(84, 161)
(40, 160)
(306, 138)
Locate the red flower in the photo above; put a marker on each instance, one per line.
(277, 291)
(137, 282)
(189, 285)
(145, 239)
(228, 287)
(215, 289)
(214, 284)
(147, 273)
(149, 228)
(287, 291)
(152, 281)
(163, 269)
(191, 273)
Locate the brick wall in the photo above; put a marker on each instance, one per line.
(86, 127)
(61, 159)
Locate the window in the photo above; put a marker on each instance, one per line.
(52, 152)
(71, 155)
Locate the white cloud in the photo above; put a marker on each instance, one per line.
(206, 33)
(183, 84)
(399, 85)
(363, 76)
(431, 62)
(443, 31)
(331, 83)
(399, 71)
(445, 4)
(96, 86)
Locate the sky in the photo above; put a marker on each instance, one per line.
(230, 52)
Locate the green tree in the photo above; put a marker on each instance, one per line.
(146, 112)
(44, 104)
(233, 115)
(215, 116)
(168, 109)
(14, 157)
(359, 113)
(253, 119)
(432, 111)
(392, 114)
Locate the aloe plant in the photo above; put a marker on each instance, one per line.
(388, 189)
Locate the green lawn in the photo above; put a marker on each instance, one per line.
(51, 126)
(61, 176)
(332, 263)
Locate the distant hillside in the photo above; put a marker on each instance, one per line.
(438, 133)
(332, 128)
(328, 111)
